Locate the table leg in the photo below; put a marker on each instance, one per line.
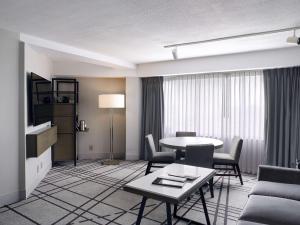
(204, 206)
(175, 210)
(141, 211)
(169, 214)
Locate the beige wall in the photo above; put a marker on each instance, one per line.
(98, 119)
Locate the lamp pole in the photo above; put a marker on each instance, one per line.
(111, 157)
(111, 102)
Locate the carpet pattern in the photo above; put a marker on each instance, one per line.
(92, 193)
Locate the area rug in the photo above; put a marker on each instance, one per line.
(91, 193)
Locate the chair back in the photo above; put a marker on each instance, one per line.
(185, 134)
(236, 148)
(199, 155)
(150, 146)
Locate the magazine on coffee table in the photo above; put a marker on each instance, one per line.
(172, 178)
(168, 183)
(184, 175)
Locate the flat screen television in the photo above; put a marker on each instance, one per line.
(40, 107)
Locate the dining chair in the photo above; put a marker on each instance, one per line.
(181, 153)
(202, 156)
(230, 159)
(157, 157)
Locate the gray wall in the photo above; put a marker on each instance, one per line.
(9, 117)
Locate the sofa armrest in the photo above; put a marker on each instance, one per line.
(278, 174)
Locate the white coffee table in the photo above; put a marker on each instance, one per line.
(143, 186)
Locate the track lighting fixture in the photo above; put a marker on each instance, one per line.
(174, 53)
(293, 39)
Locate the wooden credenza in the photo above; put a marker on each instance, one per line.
(39, 141)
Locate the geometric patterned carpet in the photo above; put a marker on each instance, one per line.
(92, 193)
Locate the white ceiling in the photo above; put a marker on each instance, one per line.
(137, 30)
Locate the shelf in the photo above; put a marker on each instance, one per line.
(86, 130)
(39, 141)
(57, 103)
(65, 92)
(42, 93)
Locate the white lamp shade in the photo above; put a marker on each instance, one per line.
(111, 101)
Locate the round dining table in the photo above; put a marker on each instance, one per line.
(180, 143)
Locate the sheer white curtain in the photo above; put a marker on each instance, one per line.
(219, 105)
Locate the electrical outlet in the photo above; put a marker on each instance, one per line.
(91, 147)
(37, 169)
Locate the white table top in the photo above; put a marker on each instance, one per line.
(143, 185)
(182, 142)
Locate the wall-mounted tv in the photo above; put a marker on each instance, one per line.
(40, 107)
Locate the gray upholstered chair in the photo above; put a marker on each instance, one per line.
(230, 159)
(157, 157)
(202, 156)
(185, 134)
(181, 153)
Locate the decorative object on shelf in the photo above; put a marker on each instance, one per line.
(82, 127)
(111, 101)
(65, 99)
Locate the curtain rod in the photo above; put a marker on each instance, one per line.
(232, 37)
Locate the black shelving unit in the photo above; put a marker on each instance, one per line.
(65, 99)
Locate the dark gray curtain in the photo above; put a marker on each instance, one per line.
(282, 100)
(152, 111)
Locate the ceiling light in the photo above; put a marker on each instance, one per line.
(293, 39)
(174, 53)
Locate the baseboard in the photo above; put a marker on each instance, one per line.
(132, 157)
(10, 198)
(100, 155)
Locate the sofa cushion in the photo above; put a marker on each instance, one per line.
(243, 222)
(281, 190)
(271, 210)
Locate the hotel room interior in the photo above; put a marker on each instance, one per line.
(150, 112)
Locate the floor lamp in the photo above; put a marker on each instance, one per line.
(111, 101)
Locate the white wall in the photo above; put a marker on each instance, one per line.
(81, 69)
(9, 99)
(35, 168)
(133, 117)
(98, 120)
(285, 57)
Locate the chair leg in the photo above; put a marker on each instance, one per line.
(234, 169)
(211, 187)
(239, 173)
(148, 168)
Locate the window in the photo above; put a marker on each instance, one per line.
(219, 105)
